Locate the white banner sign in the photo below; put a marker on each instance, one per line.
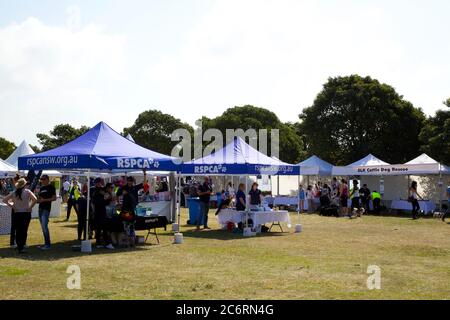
(387, 170)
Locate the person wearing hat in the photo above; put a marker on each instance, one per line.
(73, 196)
(22, 202)
(47, 194)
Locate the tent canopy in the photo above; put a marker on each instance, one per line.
(423, 159)
(316, 166)
(372, 166)
(23, 149)
(427, 165)
(129, 137)
(7, 170)
(101, 148)
(237, 158)
(370, 160)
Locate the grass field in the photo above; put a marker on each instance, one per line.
(328, 260)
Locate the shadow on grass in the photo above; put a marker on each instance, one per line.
(64, 250)
(226, 236)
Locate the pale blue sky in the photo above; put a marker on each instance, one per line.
(81, 62)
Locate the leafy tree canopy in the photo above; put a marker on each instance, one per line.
(153, 129)
(61, 134)
(250, 117)
(6, 148)
(354, 116)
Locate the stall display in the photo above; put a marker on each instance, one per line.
(259, 217)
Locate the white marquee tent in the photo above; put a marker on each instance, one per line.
(24, 149)
(7, 170)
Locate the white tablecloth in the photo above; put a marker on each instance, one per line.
(285, 201)
(5, 219)
(258, 217)
(428, 206)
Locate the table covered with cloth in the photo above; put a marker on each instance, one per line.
(428, 206)
(258, 217)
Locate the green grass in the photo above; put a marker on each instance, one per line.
(328, 260)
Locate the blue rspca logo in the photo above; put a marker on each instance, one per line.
(210, 169)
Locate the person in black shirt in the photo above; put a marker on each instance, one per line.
(365, 193)
(255, 196)
(47, 195)
(204, 192)
(102, 235)
(241, 201)
(132, 188)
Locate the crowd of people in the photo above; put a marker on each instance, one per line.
(111, 205)
(350, 200)
(229, 198)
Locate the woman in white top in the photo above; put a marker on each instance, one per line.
(22, 202)
(413, 197)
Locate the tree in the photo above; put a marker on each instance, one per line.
(250, 117)
(447, 102)
(6, 148)
(36, 149)
(153, 129)
(61, 134)
(354, 116)
(435, 135)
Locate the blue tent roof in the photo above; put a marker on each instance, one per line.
(238, 157)
(324, 168)
(101, 148)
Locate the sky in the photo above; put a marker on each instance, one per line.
(81, 62)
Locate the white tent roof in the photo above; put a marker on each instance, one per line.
(370, 160)
(129, 137)
(321, 167)
(423, 159)
(23, 149)
(6, 169)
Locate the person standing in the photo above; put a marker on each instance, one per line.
(335, 186)
(256, 197)
(310, 199)
(448, 203)
(301, 198)
(204, 192)
(343, 195)
(241, 202)
(65, 190)
(73, 196)
(82, 217)
(22, 202)
(102, 235)
(47, 194)
(413, 197)
(364, 193)
(354, 195)
(12, 237)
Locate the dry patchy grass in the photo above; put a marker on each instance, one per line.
(328, 260)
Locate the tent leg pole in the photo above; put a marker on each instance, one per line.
(88, 247)
(179, 201)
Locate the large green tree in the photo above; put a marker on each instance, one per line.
(250, 117)
(61, 134)
(354, 116)
(153, 129)
(6, 148)
(435, 135)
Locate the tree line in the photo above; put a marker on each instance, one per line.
(351, 117)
